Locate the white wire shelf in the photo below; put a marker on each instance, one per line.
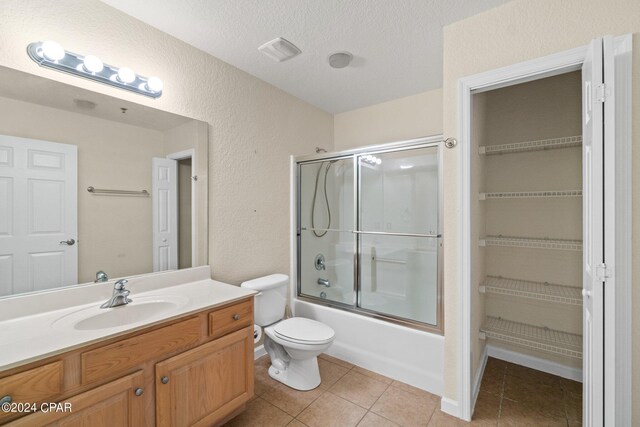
(535, 337)
(541, 144)
(541, 291)
(530, 194)
(524, 242)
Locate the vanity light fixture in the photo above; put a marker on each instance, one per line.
(51, 55)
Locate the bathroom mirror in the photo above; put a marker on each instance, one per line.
(91, 183)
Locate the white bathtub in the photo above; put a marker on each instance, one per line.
(404, 354)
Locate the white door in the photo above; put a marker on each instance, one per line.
(38, 215)
(165, 214)
(593, 234)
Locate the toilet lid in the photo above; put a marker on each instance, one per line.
(304, 330)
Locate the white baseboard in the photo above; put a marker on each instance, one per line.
(258, 352)
(478, 378)
(450, 406)
(537, 363)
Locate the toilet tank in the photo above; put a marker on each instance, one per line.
(271, 301)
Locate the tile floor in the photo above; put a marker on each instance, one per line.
(510, 395)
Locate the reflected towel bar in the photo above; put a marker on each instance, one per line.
(93, 190)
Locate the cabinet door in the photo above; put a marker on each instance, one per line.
(112, 404)
(203, 385)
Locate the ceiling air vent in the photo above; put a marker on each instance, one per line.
(279, 49)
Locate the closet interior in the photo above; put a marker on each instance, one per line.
(526, 215)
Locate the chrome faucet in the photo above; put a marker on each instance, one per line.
(101, 276)
(120, 295)
(324, 282)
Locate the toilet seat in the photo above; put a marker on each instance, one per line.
(300, 330)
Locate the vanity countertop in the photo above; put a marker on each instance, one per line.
(34, 327)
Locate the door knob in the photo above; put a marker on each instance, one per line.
(139, 391)
(236, 317)
(586, 293)
(164, 379)
(69, 242)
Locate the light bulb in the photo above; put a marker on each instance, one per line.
(378, 161)
(126, 75)
(154, 84)
(92, 64)
(52, 51)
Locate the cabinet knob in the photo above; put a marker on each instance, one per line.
(6, 399)
(236, 317)
(164, 379)
(139, 391)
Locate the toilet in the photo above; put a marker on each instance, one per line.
(292, 344)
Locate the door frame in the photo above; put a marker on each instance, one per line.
(618, 313)
(182, 155)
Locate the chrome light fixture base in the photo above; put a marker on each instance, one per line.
(72, 63)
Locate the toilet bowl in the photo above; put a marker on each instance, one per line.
(292, 344)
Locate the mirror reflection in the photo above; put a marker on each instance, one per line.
(94, 188)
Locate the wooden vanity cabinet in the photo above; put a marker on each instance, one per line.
(195, 370)
(206, 383)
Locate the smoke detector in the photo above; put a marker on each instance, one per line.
(280, 49)
(340, 59)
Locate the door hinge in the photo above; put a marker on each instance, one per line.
(602, 92)
(603, 272)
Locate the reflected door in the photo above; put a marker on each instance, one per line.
(38, 215)
(399, 233)
(164, 193)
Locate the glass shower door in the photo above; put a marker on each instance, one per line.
(325, 230)
(398, 229)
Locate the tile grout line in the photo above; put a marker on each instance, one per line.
(281, 410)
(323, 391)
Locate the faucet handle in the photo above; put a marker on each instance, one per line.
(120, 284)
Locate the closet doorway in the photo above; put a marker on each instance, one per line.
(545, 171)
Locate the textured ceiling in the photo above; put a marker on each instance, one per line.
(397, 44)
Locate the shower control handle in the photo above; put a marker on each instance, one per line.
(324, 282)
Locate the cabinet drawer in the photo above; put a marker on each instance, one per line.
(231, 318)
(35, 385)
(117, 357)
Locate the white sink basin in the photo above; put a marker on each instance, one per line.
(141, 309)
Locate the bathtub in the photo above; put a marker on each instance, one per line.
(409, 355)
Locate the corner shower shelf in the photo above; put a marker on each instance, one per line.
(530, 194)
(541, 144)
(522, 334)
(533, 290)
(523, 242)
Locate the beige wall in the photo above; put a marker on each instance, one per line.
(515, 32)
(110, 155)
(253, 127)
(397, 120)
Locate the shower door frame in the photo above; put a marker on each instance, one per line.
(354, 154)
